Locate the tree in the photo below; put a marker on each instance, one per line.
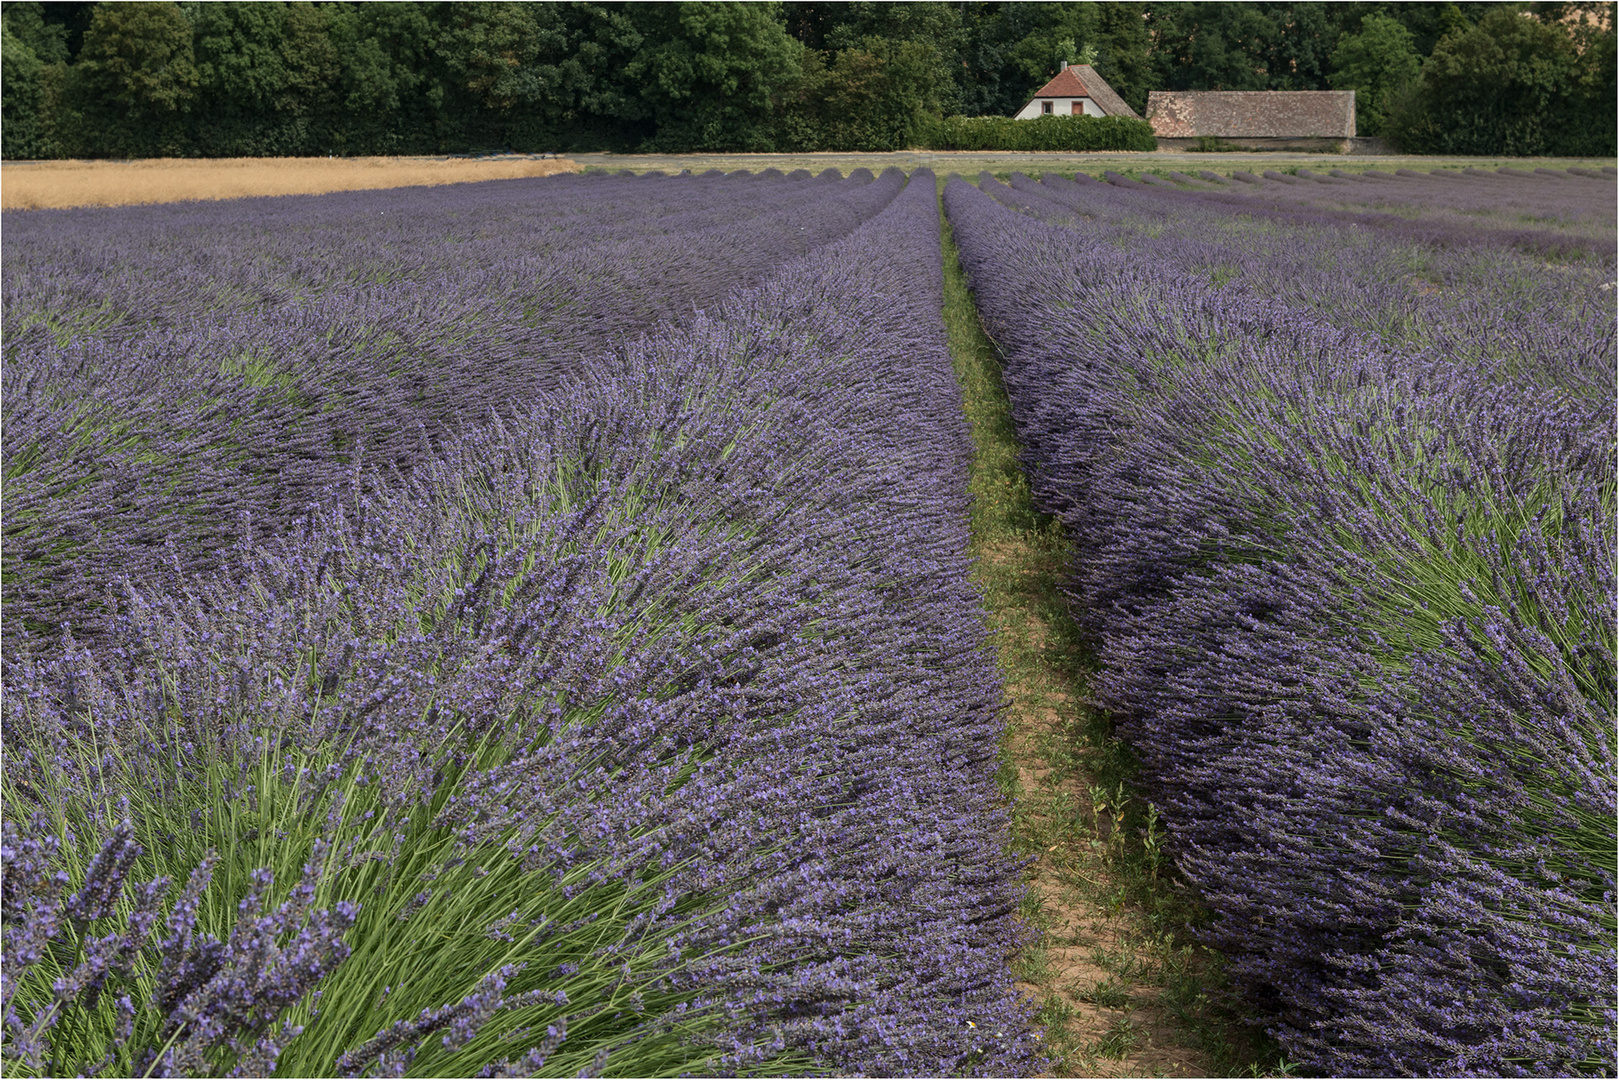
(991, 79)
(710, 74)
(135, 78)
(33, 55)
(238, 53)
(395, 96)
(874, 74)
(1513, 84)
(492, 50)
(873, 96)
(928, 34)
(1297, 51)
(1010, 50)
(312, 69)
(1067, 34)
(268, 78)
(592, 103)
(1380, 64)
(1235, 46)
(1214, 46)
(1124, 52)
(1431, 23)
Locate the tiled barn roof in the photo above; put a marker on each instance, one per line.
(1252, 114)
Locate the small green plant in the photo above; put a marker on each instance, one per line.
(1152, 843)
(1108, 994)
(1121, 1037)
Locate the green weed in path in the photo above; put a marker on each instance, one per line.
(1121, 986)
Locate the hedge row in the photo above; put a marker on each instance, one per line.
(1041, 133)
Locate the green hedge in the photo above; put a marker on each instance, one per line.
(1041, 133)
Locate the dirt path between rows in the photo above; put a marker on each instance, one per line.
(1120, 983)
(1107, 985)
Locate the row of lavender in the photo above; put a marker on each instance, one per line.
(1480, 303)
(683, 635)
(183, 372)
(1545, 210)
(1549, 212)
(1345, 512)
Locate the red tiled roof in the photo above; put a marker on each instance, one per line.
(1082, 80)
(1066, 84)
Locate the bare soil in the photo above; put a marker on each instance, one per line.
(36, 185)
(1096, 960)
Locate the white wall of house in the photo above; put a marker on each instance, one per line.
(1060, 107)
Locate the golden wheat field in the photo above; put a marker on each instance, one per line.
(37, 185)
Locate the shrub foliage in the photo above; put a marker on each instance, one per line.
(1053, 133)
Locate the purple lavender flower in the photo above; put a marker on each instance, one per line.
(1343, 502)
(698, 576)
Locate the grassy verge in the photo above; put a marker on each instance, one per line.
(1122, 987)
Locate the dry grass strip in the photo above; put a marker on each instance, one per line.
(37, 185)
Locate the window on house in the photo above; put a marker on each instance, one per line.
(1045, 107)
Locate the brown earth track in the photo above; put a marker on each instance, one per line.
(30, 185)
(37, 185)
(1097, 960)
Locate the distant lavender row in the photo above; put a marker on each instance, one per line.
(1542, 198)
(1560, 216)
(1467, 303)
(188, 261)
(174, 375)
(1353, 601)
(713, 589)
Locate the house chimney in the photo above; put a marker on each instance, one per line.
(1062, 66)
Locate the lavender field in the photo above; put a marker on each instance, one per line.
(526, 628)
(1341, 482)
(494, 634)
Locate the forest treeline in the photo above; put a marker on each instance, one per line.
(249, 79)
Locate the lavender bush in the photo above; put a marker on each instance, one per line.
(660, 693)
(1347, 559)
(172, 376)
(1563, 216)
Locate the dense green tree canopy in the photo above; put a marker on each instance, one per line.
(1514, 84)
(136, 75)
(1380, 63)
(708, 74)
(233, 77)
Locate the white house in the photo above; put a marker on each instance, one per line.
(1076, 91)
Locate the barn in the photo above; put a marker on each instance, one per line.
(1253, 119)
(1076, 91)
